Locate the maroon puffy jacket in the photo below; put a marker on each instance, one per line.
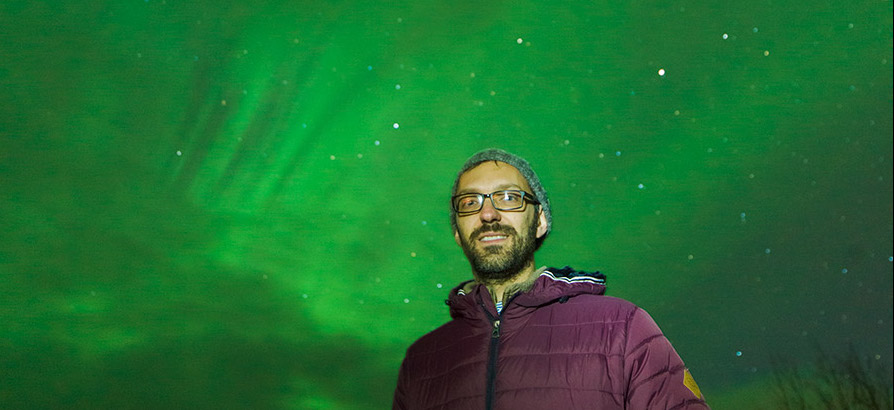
(561, 345)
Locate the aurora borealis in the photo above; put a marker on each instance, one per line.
(244, 204)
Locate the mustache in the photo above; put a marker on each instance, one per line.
(494, 227)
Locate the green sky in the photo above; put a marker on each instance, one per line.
(244, 204)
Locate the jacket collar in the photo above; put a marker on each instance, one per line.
(552, 285)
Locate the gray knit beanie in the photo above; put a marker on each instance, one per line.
(493, 154)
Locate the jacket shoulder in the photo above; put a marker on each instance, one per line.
(604, 304)
(439, 338)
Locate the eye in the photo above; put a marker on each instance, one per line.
(468, 202)
(510, 197)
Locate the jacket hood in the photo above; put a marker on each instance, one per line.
(552, 285)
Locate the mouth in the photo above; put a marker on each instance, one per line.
(489, 238)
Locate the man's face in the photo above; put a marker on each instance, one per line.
(498, 244)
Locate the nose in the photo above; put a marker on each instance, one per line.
(488, 213)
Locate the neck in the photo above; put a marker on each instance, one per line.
(521, 282)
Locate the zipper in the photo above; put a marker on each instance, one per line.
(493, 353)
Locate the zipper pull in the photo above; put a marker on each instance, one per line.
(496, 332)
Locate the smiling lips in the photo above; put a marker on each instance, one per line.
(488, 237)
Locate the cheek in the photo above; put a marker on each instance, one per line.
(529, 224)
(464, 230)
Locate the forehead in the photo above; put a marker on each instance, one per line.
(490, 176)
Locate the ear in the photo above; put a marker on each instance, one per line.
(456, 238)
(541, 223)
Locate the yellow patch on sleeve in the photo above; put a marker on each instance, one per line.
(690, 384)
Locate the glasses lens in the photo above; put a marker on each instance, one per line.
(507, 200)
(467, 203)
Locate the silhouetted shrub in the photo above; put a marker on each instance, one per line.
(845, 382)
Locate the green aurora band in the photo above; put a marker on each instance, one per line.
(244, 204)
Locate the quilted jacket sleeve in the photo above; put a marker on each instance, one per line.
(656, 376)
(400, 398)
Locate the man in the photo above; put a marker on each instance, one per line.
(528, 338)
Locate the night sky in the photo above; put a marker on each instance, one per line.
(222, 204)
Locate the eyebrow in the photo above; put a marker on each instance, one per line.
(498, 188)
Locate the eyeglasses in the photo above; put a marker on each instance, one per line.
(509, 200)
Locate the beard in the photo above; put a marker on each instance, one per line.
(496, 264)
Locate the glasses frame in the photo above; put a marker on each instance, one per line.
(526, 198)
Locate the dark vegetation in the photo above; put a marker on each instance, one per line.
(842, 382)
